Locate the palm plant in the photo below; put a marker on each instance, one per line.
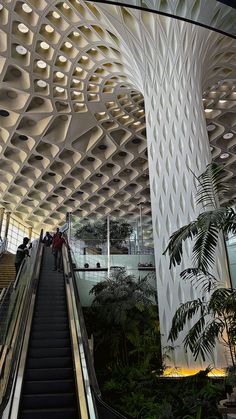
(206, 231)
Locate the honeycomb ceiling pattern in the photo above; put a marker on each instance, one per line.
(72, 120)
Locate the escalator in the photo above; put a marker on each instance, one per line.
(47, 367)
(49, 390)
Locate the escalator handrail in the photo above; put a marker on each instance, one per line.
(19, 332)
(89, 361)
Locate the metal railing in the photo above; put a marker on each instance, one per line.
(94, 401)
(13, 316)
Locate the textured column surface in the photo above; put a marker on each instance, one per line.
(168, 60)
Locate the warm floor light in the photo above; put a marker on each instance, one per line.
(184, 372)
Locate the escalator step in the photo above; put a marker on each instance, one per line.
(38, 327)
(62, 362)
(49, 352)
(49, 414)
(54, 334)
(50, 386)
(47, 318)
(50, 343)
(45, 401)
(37, 374)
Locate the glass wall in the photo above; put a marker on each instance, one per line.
(16, 232)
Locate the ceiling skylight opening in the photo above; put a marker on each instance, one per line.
(137, 123)
(44, 45)
(23, 28)
(228, 135)
(208, 110)
(66, 6)
(41, 64)
(62, 59)
(59, 89)
(76, 81)
(76, 33)
(60, 75)
(222, 102)
(49, 29)
(84, 57)
(68, 45)
(26, 8)
(224, 156)
(56, 15)
(21, 50)
(41, 83)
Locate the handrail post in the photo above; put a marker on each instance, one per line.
(108, 246)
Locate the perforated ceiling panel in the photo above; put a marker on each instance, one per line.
(72, 118)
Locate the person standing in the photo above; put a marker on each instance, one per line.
(47, 239)
(21, 252)
(55, 235)
(57, 251)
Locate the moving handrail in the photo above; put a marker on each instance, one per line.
(13, 324)
(92, 388)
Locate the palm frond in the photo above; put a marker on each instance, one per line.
(210, 186)
(175, 246)
(185, 312)
(207, 340)
(219, 301)
(193, 334)
(200, 278)
(230, 221)
(204, 248)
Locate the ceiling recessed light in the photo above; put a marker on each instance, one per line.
(41, 83)
(224, 155)
(222, 101)
(56, 15)
(78, 70)
(66, 6)
(49, 29)
(126, 117)
(208, 110)
(4, 113)
(210, 127)
(62, 59)
(84, 57)
(23, 28)
(26, 8)
(137, 123)
(41, 64)
(44, 45)
(76, 33)
(21, 50)
(228, 135)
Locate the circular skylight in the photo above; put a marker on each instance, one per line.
(49, 28)
(44, 45)
(41, 64)
(228, 135)
(41, 83)
(23, 28)
(62, 59)
(26, 8)
(224, 156)
(210, 127)
(21, 50)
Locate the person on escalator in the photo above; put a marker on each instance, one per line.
(47, 240)
(21, 253)
(58, 242)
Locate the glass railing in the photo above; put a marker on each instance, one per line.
(3, 246)
(13, 314)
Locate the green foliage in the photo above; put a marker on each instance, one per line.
(124, 320)
(94, 233)
(217, 314)
(141, 394)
